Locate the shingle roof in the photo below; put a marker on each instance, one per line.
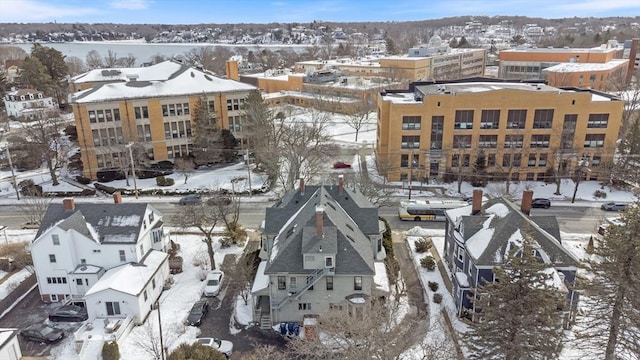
(543, 229)
(346, 227)
(105, 223)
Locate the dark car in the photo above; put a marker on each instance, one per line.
(613, 206)
(42, 333)
(219, 200)
(69, 313)
(341, 165)
(191, 199)
(541, 203)
(197, 313)
(110, 174)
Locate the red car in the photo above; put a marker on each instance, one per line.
(341, 165)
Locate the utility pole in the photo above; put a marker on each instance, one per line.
(133, 169)
(160, 326)
(410, 173)
(13, 174)
(249, 173)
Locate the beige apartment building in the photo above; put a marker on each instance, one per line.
(152, 106)
(524, 129)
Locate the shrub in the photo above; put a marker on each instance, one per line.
(387, 241)
(83, 180)
(433, 286)
(234, 236)
(600, 194)
(168, 182)
(164, 181)
(110, 351)
(428, 263)
(437, 298)
(423, 245)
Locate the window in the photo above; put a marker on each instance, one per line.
(379, 245)
(490, 119)
(542, 118)
(113, 308)
(144, 293)
(462, 141)
(411, 122)
(212, 107)
(464, 119)
(568, 130)
(141, 112)
(410, 142)
(506, 160)
(293, 282)
(516, 119)
(153, 283)
(304, 306)
(598, 121)
(56, 239)
(539, 141)
(594, 140)
(491, 160)
(328, 261)
(357, 283)
(282, 282)
(513, 141)
(460, 253)
(329, 282)
(592, 79)
(123, 256)
(437, 125)
(144, 133)
(52, 258)
(542, 160)
(532, 160)
(79, 282)
(488, 141)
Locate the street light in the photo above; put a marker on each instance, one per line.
(133, 169)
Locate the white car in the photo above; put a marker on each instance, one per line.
(223, 346)
(212, 283)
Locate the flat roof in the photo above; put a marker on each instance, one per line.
(580, 67)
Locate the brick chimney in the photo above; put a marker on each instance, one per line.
(301, 186)
(319, 220)
(633, 52)
(340, 183)
(231, 69)
(117, 197)
(476, 201)
(527, 198)
(68, 205)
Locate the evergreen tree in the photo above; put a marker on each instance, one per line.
(195, 351)
(480, 170)
(610, 328)
(519, 310)
(35, 75)
(392, 48)
(210, 144)
(56, 68)
(262, 133)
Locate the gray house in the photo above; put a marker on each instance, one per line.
(321, 249)
(481, 236)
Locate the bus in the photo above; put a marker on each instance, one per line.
(427, 210)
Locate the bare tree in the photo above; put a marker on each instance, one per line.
(265, 352)
(33, 208)
(184, 166)
(360, 116)
(127, 61)
(94, 60)
(111, 59)
(149, 341)
(204, 217)
(46, 133)
(377, 193)
(243, 274)
(75, 65)
(20, 254)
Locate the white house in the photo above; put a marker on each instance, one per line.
(111, 254)
(9, 345)
(27, 103)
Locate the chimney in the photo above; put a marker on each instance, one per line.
(340, 183)
(319, 224)
(68, 205)
(231, 70)
(117, 197)
(527, 198)
(476, 201)
(301, 186)
(633, 53)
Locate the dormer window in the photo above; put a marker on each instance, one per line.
(328, 261)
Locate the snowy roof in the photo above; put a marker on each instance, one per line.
(175, 81)
(463, 279)
(380, 278)
(87, 269)
(491, 234)
(480, 86)
(130, 278)
(261, 280)
(581, 67)
(104, 223)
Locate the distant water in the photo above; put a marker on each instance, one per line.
(142, 51)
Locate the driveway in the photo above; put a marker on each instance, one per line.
(413, 286)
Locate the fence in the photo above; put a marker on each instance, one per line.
(20, 290)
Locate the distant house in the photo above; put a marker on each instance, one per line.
(321, 249)
(9, 345)
(481, 236)
(28, 103)
(110, 256)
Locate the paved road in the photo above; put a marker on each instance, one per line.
(413, 286)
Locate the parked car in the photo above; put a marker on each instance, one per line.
(30, 225)
(541, 203)
(197, 313)
(69, 313)
(42, 333)
(191, 199)
(219, 199)
(613, 206)
(213, 283)
(110, 174)
(223, 346)
(341, 165)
